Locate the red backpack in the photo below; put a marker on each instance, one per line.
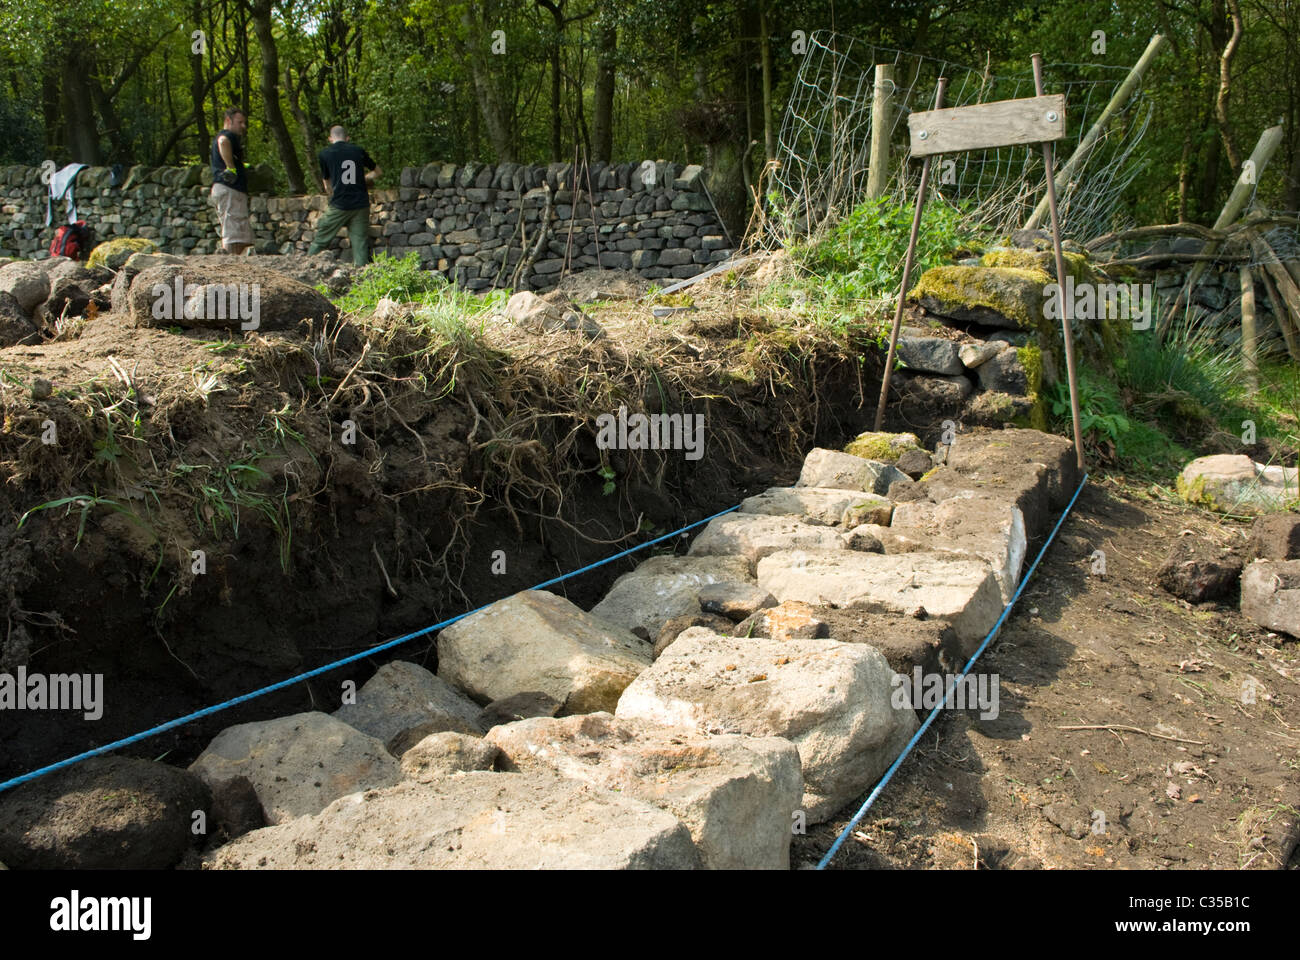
(71, 240)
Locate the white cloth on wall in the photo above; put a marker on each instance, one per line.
(61, 189)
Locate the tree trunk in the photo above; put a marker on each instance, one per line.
(196, 115)
(198, 89)
(112, 125)
(304, 122)
(556, 9)
(50, 105)
(1184, 178)
(485, 91)
(167, 95)
(555, 101)
(602, 144)
(241, 32)
(765, 55)
(1225, 85)
(82, 138)
(271, 95)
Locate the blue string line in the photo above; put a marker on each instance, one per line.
(243, 698)
(862, 811)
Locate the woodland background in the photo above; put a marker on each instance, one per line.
(697, 82)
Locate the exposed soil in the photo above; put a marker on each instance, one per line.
(316, 548)
(1220, 786)
(488, 444)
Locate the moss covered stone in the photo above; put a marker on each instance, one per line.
(1076, 264)
(114, 253)
(1036, 418)
(1031, 359)
(1194, 492)
(882, 446)
(1009, 297)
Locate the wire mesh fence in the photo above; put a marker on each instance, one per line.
(823, 154)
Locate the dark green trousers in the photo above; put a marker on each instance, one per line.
(358, 224)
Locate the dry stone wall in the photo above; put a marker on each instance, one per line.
(474, 223)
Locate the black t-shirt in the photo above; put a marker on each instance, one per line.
(237, 148)
(344, 164)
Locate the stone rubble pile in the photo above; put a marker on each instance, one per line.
(1266, 574)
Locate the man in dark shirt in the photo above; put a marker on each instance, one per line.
(230, 183)
(345, 170)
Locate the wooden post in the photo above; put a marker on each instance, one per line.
(882, 123)
(1280, 314)
(1293, 268)
(1288, 292)
(1090, 139)
(1241, 191)
(907, 269)
(1249, 348)
(1268, 143)
(1066, 325)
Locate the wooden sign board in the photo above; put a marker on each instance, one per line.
(1004, 123)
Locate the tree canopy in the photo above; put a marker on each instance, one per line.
(146, 81)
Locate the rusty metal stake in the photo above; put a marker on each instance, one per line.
(1060, 275)
(907, 267)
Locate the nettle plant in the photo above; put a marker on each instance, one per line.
(861, 257)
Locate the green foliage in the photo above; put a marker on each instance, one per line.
(847, 278)
(1110, 436)
(22, 140)
(607, 474)
(861, 257)
(1164, 397)
(1100, 419)
(1277, 401)
(401, 280)
(409, 78)
(1188, 382)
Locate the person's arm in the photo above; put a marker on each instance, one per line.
(373, 171)
(326, 184)
(227, 152)
(375, 174)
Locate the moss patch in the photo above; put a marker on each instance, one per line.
(1076, 264)
(1195, 493)
(1031, 360)
(884, 447)
(1000, 405)
(114, 253)
(674, 300)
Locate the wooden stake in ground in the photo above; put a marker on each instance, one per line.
(882, 123)
(1066, 325)
(1280, 314)
(1287, 288)
(1249, 348)
(907, 269)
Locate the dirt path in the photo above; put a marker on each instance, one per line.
(1019, 792)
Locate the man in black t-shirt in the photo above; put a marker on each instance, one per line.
(230, 183)
(345, 170)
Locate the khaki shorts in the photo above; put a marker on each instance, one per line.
(232, 211)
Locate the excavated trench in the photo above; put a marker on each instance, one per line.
(477, 475)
